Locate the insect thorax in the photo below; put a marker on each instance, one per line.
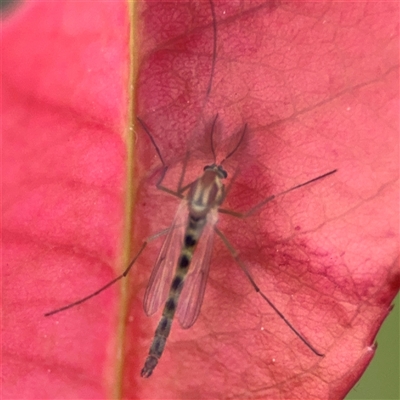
(206, 193)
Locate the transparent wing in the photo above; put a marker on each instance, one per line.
(194, 286)
(164, 268)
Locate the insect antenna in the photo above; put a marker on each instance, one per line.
(212, 138)
(214, 52)
(237, 145)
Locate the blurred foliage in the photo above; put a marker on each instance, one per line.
(381, 379)
(6, 6)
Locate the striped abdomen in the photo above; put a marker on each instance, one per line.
(192, 235)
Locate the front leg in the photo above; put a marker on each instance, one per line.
(272, 197)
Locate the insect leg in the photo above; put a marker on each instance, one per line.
(272, 197)
(123, 275)
(178, 193)
(242, 266)
(164, 165)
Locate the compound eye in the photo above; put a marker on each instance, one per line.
(223, 173)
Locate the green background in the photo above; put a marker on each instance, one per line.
(381, 379)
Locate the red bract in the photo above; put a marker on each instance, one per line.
(317, 86)
(65, 70)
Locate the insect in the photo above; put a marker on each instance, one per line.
(179, 277)
(188, 246)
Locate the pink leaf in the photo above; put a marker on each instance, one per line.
(317, 85)
(65, 70)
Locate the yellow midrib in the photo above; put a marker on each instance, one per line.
(119, 361)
